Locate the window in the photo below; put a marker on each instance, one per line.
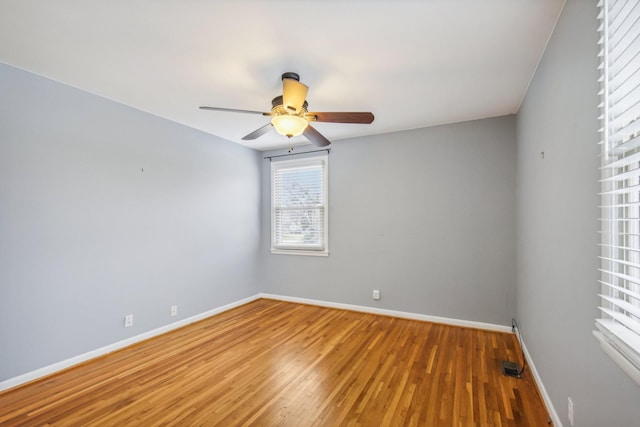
(299, 206)
(618, 327)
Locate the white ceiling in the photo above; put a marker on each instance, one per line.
(413, 63)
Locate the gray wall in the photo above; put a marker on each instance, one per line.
(557, 229)
(426, 216)
(87, 236)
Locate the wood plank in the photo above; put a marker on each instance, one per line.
(276, 363)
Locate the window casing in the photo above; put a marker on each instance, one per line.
(618, 327)
(299, 223)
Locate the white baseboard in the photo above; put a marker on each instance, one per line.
(393, 313)
(543, 391)
(64, 364)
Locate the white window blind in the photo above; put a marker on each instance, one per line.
(299, 206)
(618, 327)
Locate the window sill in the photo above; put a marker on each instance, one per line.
(298, 252)
(628, 367)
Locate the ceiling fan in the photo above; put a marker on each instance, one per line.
(290, 115)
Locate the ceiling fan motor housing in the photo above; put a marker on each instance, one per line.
(278, 102)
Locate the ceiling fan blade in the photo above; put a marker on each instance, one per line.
(233, 110)
(257, 133)
(315, 137)
(293, 94)
(347, 117)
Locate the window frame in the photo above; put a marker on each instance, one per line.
(290, 164)
(618, 326)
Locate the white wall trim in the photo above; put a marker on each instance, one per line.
(543, 391)
(393, 313)
(64, 364)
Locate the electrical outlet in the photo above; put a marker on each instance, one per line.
(376, 294)
(174, 310)
(128, 320)
(570, 410)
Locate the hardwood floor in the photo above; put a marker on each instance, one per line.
(272, 363)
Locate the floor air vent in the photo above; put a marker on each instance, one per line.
(510, 369)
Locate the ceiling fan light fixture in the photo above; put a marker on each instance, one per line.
(289, 125)
(290, 115)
